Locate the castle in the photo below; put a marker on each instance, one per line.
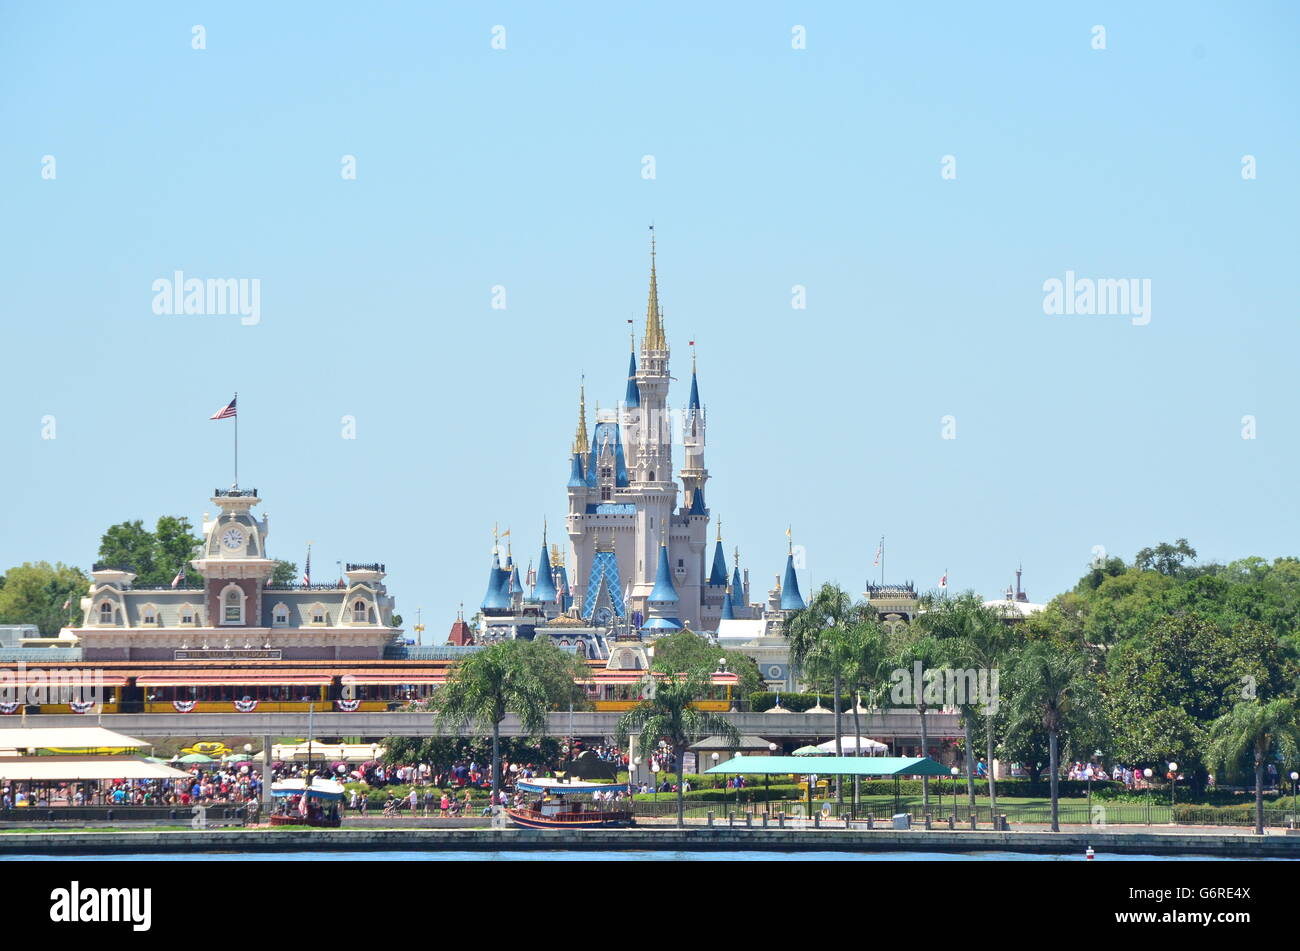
(641, 558)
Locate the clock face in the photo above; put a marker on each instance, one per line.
(233, 538)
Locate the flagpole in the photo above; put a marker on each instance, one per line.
(236, 439)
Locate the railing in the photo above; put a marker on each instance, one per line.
(440, 652)
(372, 566)
(212, 814)
(234, 493)
(42, 655)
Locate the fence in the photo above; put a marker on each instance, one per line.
(1069, 812)
(212, 814)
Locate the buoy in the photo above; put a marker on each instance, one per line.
(1089, 854)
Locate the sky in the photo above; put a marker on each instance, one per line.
(921, 394)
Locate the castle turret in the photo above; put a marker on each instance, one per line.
(791, 599)
(662, 602)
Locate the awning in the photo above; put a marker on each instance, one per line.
(73, 768)
(833, 765)
(69, 677)
(231, 680)
(65, 738)
(560, 788)
(392, 680)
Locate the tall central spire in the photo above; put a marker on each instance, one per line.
(580, 442)
(654, 327)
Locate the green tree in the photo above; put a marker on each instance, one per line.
(820, 642)
(36, 592)
(669, 715)
(684, 649)
(1257, 730)
(1166, 558)
(972, 637)
(284, 572)
(485, 686)
(153, 557)
(1051, 691)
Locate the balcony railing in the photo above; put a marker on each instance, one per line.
(234, 493)
(371, 566)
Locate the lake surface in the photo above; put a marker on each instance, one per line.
(628, 856)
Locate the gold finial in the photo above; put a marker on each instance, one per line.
(556, 558)
(580, 443)
(735, 556)
(654, 325)
(719, 528)
(789, 540)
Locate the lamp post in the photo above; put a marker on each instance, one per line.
(635, 765)
(955, 773)
(1173, 788)
(1295, 778)
(1092, 769)
(767, 782)
(714, 758)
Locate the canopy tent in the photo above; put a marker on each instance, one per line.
(65, 738)
(326, 789)
(809, 751)
(559, 787)
(834, 765)
(194, 758)
(863, 744)
(74, 768)
(346, 752)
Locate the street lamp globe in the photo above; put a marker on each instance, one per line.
(1173, 767)
(771, 747)
(955, 771)
(1294, 776)
(1147, 772)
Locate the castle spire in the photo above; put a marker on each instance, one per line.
(654, 327)
(581, 445)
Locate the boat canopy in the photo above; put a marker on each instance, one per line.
(320, 789)
(559, 787)
(833, 765)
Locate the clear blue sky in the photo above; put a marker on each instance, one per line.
(775, 167)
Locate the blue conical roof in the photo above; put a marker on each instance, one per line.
(544, 588)
(576, 477)
(497, 597)
(728, 608)
(791, 599)
(633, 396)
(697, 503)
(664, 589)
(737, 586)
(515, 586)
(719, 573)
(695, 391)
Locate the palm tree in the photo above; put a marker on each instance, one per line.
(820, 642)
(1050, 692)
(1258, 729)
(668, 715)
(914, 647)
(503, 678)
(975, 637)
(864, 672)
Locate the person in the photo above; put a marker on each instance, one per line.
(445, 805)
(415, 800)
(428, 802)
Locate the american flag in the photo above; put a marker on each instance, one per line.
(880, 549)
(306, 575)
(943, 582)
(225, 412)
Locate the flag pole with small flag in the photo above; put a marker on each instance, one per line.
(229, 412)
(943, 582)
(306, 575)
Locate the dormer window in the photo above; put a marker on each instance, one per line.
(318, 614)
(280, 615)
(187, 614)
(148, 614)
(106, 612)
(359, 611)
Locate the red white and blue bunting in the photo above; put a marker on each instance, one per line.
(348, 706)
(184, 706)
(247, 705)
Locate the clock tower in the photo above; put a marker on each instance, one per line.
(233, 560)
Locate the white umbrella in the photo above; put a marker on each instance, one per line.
(860, 744)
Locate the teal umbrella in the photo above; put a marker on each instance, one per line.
(195, 758)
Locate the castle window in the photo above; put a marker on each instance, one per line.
(604, 493)
(652, 476)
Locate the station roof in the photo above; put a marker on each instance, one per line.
(60, 768)
(834, 765)
(65, 738)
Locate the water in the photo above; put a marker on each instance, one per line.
(619, 856)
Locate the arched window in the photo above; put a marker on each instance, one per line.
(148, 614)
(359, 611)
(232, 605)
(106, 612)
(652, 476)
